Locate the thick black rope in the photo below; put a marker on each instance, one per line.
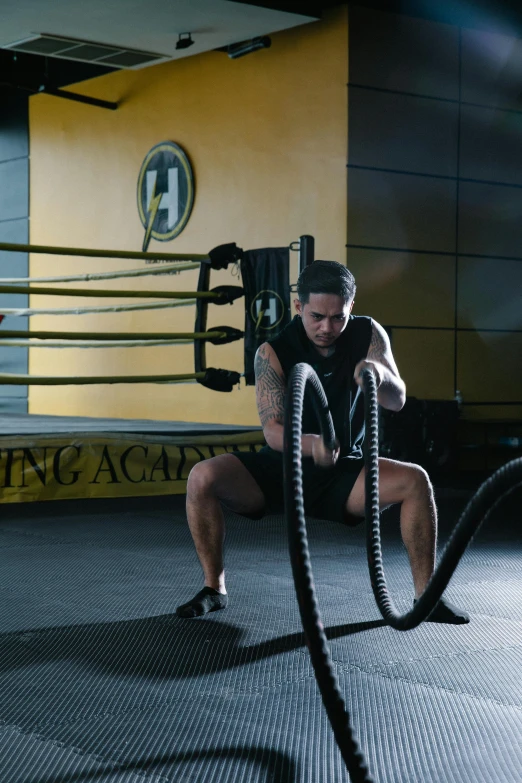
(301, 566)
(487, 497)
(491, 492)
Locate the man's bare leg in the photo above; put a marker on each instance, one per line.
(409, 485)
(222, 479)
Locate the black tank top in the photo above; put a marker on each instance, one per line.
(336, 375)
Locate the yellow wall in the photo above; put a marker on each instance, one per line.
(267, 138)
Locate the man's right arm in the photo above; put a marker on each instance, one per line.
(270, 397)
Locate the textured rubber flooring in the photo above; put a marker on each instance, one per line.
(100, 681)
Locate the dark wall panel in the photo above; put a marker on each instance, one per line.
(426, 360)
(14, 190)
(490, 366)
(490, 145)
(489, 220)
(491, 69)
(490, 293)
(401, 53)
(401, 211)
(14, 265)
(10, 405)
(395, 61)
(14, 360)
(14, 125)
(14, 227)
(403, 132)
(404, 288)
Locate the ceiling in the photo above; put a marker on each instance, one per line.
(155, 26)
(150, 25)
(147, 25)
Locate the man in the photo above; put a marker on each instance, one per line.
(339, 346)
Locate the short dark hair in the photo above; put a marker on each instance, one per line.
(325, 277)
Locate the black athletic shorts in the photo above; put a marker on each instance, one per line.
(326, 490)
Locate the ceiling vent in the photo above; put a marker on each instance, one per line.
(86, 51)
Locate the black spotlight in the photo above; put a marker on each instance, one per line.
(184, 43)
(245, 47)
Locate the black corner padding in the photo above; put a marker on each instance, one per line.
(223, 255)
(220, 380)
(231, 333)
(227, 293)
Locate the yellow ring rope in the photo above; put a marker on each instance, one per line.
(103, 292)
(45, 335)
(167, 269)
(89, 343)
(14, 379)
(16, 311)
(89, 253)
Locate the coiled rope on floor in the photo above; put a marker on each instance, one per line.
(488, 496)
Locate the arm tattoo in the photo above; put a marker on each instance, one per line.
(269, 389)
(378, 348)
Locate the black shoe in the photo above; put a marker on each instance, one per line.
(445, 612)
(207, 600)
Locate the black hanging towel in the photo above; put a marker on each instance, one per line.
(266, 281)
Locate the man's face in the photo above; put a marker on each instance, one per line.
(324, 317)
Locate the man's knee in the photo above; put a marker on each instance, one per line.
(216, 476)
(201, 478)
(416, 480)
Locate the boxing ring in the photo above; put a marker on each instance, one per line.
(100, 681)
(49, 457)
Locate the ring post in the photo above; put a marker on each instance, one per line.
(200, 361)
(306, 251)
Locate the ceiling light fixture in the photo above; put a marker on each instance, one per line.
(184, 43)
(245, 47)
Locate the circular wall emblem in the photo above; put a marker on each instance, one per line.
(165, 192)
(267, 310)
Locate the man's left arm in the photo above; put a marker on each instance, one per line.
(391, 389)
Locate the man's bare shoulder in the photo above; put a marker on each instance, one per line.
(379, 343)
(267, 362)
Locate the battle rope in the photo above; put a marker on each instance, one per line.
(339, 718)
(487, 497)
